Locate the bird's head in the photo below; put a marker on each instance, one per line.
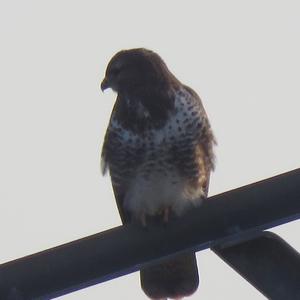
(130, 70)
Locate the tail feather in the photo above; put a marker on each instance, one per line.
(173, 278)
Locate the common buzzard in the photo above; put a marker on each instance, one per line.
(158, 149)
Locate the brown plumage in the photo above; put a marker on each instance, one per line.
(158, 149)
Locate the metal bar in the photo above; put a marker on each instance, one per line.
(231, 216)
(268, 263)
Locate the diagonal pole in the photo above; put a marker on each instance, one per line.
(268, 263)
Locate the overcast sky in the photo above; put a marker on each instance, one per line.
(242, 57)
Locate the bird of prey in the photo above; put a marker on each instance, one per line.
(158, 149)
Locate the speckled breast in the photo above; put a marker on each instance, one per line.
(160, 161)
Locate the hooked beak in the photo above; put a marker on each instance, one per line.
(105, 84)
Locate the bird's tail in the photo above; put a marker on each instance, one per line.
(173, 278)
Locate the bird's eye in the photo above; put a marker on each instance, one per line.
(115, 71)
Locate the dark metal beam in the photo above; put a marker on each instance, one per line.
(267, 262)
(231, 216)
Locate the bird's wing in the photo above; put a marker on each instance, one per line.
(207, 139)
(119, 178)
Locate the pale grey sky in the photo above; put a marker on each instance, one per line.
(242, 57)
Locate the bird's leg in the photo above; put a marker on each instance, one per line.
(143, 219)
(166, 214)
